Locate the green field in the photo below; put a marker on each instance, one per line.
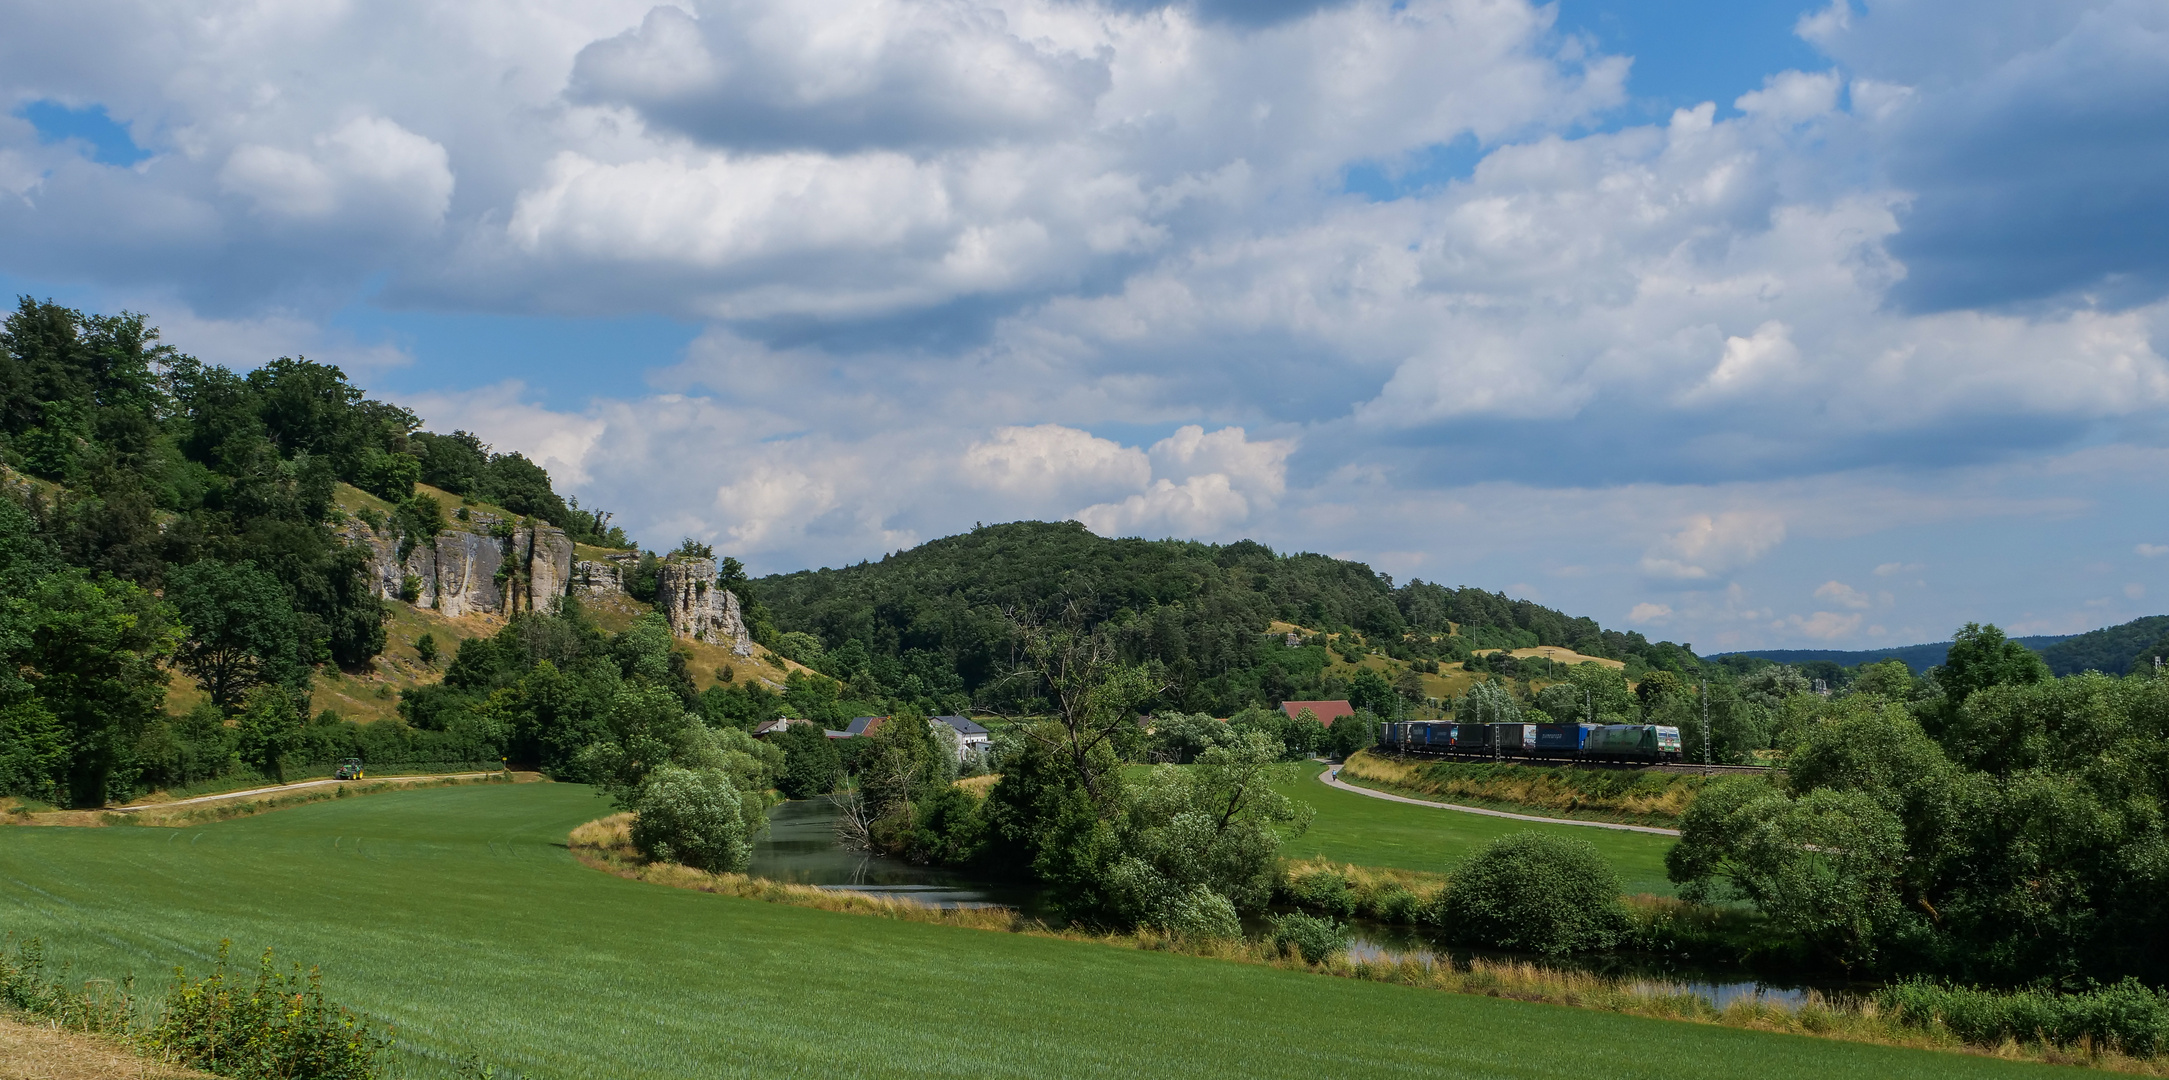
(1375, 832)
(457, 915)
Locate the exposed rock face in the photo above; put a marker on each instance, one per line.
(594, 578)
(383, 558)
(697, 609)
(541, 558)
(422, 567)
(467, 574)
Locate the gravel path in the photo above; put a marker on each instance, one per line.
(1332, 777)
(276, 788)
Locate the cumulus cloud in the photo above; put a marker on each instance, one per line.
(843, 75)
(369, 167)
(1840, 593)
(1711, 546)
(945, 248)
(1647, 613)
(1821, 625)
(1048, 458)
(1207, 482)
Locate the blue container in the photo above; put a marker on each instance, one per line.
(1562, 738)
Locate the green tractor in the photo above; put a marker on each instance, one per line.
(350, 769)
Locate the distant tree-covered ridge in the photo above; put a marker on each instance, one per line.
(931, 624)
(2111, 650)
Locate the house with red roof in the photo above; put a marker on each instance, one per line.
(1325, 711)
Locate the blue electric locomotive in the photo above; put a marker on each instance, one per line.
(1557, 742)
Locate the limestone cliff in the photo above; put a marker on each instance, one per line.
(687, 594)
(463, 572)
(486, 566)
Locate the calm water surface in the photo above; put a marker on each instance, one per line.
(801, 848)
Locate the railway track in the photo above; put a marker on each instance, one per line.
(1681, 767)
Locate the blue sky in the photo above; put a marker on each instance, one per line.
(1745, 324)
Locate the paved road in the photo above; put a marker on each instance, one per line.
(297, 786)
(1332, 777)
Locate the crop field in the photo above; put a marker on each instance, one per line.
(456, 915)
(1358, 829)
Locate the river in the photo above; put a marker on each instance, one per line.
(801, 847)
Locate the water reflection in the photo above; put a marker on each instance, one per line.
(1393, 944)
(801, 848)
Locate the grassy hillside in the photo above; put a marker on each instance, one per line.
(457, 916)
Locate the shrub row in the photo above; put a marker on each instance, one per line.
(278, 1027)
(2127, 1016)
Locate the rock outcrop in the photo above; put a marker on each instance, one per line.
(540, 558)
(603, 578)
(467, 571)
(687, 594)
(467, 567)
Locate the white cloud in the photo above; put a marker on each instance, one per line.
(1050, 458)
(2152, 551)
(1845, 595)
(939, 244)
(1822, 625)
(557, 442)
(1207, 483)
(1646, 613)
(1711, 546)
(368, 166)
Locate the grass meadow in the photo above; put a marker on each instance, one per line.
(1352, 828)
(458, 916)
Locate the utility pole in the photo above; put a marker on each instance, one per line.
(1705, 727)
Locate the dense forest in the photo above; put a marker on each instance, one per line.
(934, 625)
(163, 513)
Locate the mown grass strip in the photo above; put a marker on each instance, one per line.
(1352, 828)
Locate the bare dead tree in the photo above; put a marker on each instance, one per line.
(854, 819)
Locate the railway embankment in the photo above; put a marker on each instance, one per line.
(1625, 796)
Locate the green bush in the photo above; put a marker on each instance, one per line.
(2128, 1015)
(1326, 893)
(1535, 892)
(1315, 939)
(1199, 913)
(281, 1027)
(691, 816)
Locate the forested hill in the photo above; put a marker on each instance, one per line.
(930, 623)
(2111, 650)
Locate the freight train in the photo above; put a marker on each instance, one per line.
(1554, 742)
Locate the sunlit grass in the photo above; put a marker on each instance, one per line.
(1352, 828)
(459, 916)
